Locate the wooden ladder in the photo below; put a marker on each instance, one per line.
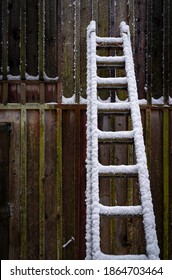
(95, 169)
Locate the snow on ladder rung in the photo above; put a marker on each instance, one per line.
(120, 210)
(116, 136)
(117, 170)
(109, 41)
(120, 82)
(103, 256)
(117, 106)
(110, 60)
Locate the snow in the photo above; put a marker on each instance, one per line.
(111, 81)
(30, 77)
(108, 40)
(116, 134)
(120, 210)
(69, 100)
(94, 168)
(110, 59)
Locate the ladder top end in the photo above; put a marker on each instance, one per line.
(92, 26)
(124, 28)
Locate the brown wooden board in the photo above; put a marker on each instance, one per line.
(32, 37)
(4, 190)
(32, 184)
(14, 38)
(34, 226)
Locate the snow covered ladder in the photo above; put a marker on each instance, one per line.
(94, 135)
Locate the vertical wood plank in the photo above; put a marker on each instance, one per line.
(166, 50)
(0, 40)
(67, 31)
(22, 39)
(68, 177)
(59, 183)
(23, 93)
(4, 92)
(23, 185)
(14, 37)
(149, 61)
(51, 39)
(4, 39)
(157, 47)
(32, 37)
(33, 184)
(140, 46)
(94, 13)
(85, 18)
(41, 185)
(4, 190)
(77, 69)
(41, 14)
(156, 171)
(166, 182)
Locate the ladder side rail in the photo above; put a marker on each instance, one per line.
(94, 148)
(146, 198)
(88, 153)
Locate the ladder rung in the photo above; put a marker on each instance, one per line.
(120, 210)
(115, 61)
(117, 106)
(112, 82)
(109, 41)
(114, 113)
(103, 256)
(117, 136)
(118, 170)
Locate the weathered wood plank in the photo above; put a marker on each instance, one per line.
(4, 190)
(50, 38)
(67, 31)
(59, 182)
(170, 182)
(166, 50)
(157, 46)
(23, 254)
(14, 37)
(77, 50)
(50, 184)
(85, 18)
(4, 39)
(69, 183)
(1, 39)
(140, 46)
(41, 30)
(156, 171)
(33, 184)
(14, 181)
(22, 39)
(41, 184)
(32, 37)
(166, 183)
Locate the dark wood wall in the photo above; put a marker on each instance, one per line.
(48, 38)
(45, 147)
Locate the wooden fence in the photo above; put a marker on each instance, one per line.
(46, 190)
(43, 143)
(42, 39)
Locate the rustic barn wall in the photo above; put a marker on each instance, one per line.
(48, 38)
(46, 185)
(34, 182)
(47, 182)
